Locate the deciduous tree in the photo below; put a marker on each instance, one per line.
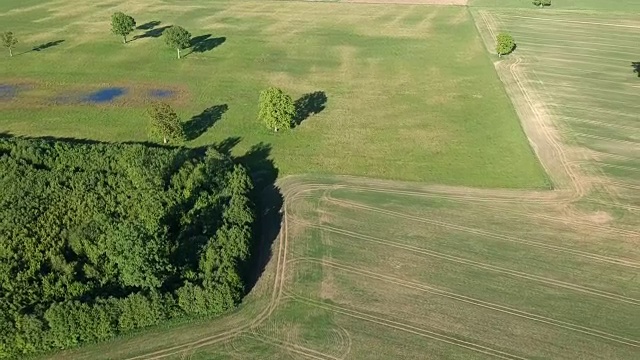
(178, 38)
(122, 24)
(165, 122)
(9, 41)
(276, 109)
(542, 3)
(505, 44)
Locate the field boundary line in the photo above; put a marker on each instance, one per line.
(563, 29)
(565, 33)
(599, 123)
(565, 21)
(602, 138)
(407, 328)
(531, 38)
(472, 301)
(480, 202)
(552, 60)
(617, 261)
(550, 74)
(462, 198)
(538, 51)
(600, 90)
(601, 111)
(543, 45)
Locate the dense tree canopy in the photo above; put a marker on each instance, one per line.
(98, 239)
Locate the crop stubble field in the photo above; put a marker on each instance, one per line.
(372, 269)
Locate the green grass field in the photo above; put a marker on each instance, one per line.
(374, 269)
(411, 92)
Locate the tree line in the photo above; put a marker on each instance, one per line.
(98, 239)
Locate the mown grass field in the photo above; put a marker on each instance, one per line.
(411, 92)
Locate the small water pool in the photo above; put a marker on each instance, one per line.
(8, 92)
(105, 95)
(161, 93)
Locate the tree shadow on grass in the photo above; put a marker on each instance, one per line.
(636, 67)
(225, 146)
(45, 46)
(269, 201)
(204, 43)
(308, 105)
(200, 123)
(148, 25)
(152, 33)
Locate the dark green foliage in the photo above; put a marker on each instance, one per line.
(505, 44)
(122, 24)
(542, 3)
(98, 239)
(276, 109)
(178, 38)
(165, 123)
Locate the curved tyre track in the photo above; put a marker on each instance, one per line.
(472, 301)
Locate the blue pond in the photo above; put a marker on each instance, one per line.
(160, 93)
(8, 92)
(105, 95)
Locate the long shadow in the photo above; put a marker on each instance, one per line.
(225, 146)
(148, 25)
(308, 105)
(152, 33)
(636, 67)
(200, 123)
(197, 39)
(47, 45)
(204, 43)
(269, 202)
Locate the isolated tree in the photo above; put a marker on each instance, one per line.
(276, 109)
(505, 44)
(122, 24)
(542, 3)
(178, 38)
(9, 41)
(165, 122)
